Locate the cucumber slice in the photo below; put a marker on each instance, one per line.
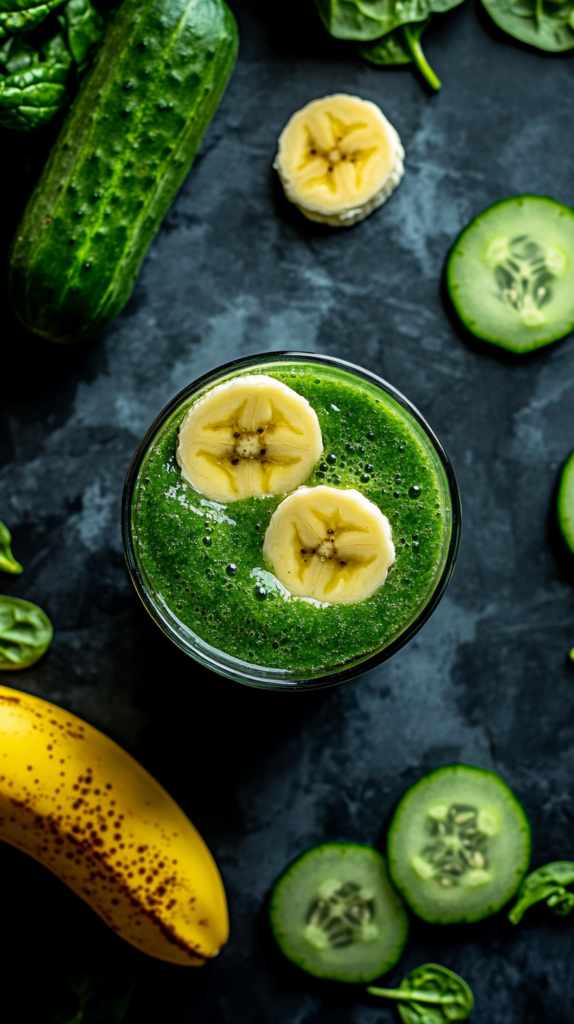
(566, 503)
(510, 273)
(335, 914)
(458, 845)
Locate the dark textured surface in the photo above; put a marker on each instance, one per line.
(263, 775)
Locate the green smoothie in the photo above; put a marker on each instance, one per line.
(202, 561)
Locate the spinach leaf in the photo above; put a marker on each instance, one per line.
(23, 15)
(546, 24)
(548, 884)
(25, 633)
(387, 31)
(403, 46)
(35, 88)
(16, 55)
(430, 994)
(364, 20)
(100, 998)
(85, 27)
(391, 49)
(7, 561)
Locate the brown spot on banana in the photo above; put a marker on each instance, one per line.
(92, 815)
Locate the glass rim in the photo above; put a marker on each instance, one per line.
(227, 665)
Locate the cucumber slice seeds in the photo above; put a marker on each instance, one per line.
(458, 845)
(510, 273)
(566, 503)
(335, 914)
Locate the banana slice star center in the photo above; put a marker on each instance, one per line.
(252, 435)
(331, 545)
(338, 151)
(338, 159)
(326, 549)
(342, 563)
(249, 444)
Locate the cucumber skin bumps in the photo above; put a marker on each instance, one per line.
(120, 158)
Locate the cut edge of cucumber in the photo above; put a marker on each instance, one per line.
(489, 909)
(566, 502)
(452, 285)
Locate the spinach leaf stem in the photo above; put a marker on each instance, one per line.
(416, 995)
(412, 39)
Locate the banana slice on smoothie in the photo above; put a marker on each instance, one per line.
(339, 159)
(250, 436)
(331, 545)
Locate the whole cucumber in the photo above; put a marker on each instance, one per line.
(123, 152)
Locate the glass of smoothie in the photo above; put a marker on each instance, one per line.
(290, 520)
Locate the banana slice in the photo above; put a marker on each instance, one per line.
(252, 435)
(338, 159)
(334, 546)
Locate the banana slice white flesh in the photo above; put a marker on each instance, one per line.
(250, 436)
(339, 159)
(331, 545)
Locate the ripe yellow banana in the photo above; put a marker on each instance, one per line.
(331, 545)
(250, 436)
(75, 801)
(339, 159)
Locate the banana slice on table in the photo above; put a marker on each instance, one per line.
(331, 545)
(250, 436)
(339, 159)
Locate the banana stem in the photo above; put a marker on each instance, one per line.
(416, 51)
(412, 996)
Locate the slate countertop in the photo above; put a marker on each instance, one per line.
(236, 270)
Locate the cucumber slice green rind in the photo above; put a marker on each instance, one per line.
(295, 891)
(508, 853)
(472, 284)
(566, 503)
